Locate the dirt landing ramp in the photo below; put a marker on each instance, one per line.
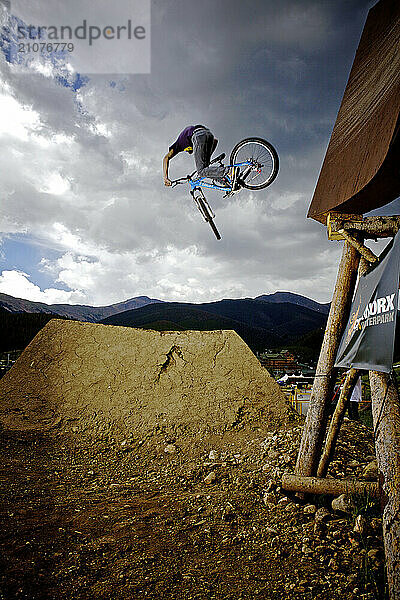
(113, 382)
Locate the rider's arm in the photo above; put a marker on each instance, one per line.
(166, 160)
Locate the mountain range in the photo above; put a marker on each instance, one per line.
(80, 312)
(93, 314)
(279, 297)
(263, 322)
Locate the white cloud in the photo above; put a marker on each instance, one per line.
(81, 171)
(55, 184)
(17, 284)
(15, 119)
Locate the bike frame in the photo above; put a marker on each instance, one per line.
(207, 183)
(204, 182)
(197, 193)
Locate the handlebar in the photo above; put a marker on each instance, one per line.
(182, 179)
(175, 182)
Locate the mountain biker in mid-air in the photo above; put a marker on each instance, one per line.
(253, 164)
(198, 140)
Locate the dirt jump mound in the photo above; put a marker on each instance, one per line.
(102, 381)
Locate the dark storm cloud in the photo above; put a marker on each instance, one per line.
(264, 63)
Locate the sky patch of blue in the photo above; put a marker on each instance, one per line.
(21, 253)
(9, 45)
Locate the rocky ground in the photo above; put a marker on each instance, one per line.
(182, 518)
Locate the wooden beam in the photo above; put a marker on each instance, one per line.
(363, 250)
(335, 221)
(317, 414)
(370, 227)
(332, 487)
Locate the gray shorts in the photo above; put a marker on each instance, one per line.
(203, 141)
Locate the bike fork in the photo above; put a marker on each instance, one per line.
(205, 209)
(200, 201)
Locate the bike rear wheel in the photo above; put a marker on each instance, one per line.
(209, 218)
(264, 158)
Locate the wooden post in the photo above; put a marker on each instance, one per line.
(317, 415)
(386, 419)
(336, 421)
(351, 380)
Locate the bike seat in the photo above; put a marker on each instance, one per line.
(218, 158)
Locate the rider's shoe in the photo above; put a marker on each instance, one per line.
(223, 182)
(237, 182)
(233, 173)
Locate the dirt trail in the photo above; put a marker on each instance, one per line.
(141, 522)
(118, 492)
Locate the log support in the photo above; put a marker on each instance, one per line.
(317, 415)
(336, 421)
(343, 402)
(386, 419)
(385, 400)
(369, 227)
(362, 249)
(331, 487)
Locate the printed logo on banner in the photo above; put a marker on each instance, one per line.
(377, 312)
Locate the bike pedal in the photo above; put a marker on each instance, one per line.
(235, 191)
(234, 177)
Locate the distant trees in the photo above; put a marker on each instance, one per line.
(18, 329)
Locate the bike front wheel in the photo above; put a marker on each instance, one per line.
(262, 160)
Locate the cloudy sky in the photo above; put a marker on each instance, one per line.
(84, 215)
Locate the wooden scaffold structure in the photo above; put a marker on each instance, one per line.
(360, 173)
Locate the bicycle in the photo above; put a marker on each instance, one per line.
(258, 163)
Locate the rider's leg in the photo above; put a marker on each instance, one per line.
(203, 146)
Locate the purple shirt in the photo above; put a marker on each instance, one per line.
(184, 139)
